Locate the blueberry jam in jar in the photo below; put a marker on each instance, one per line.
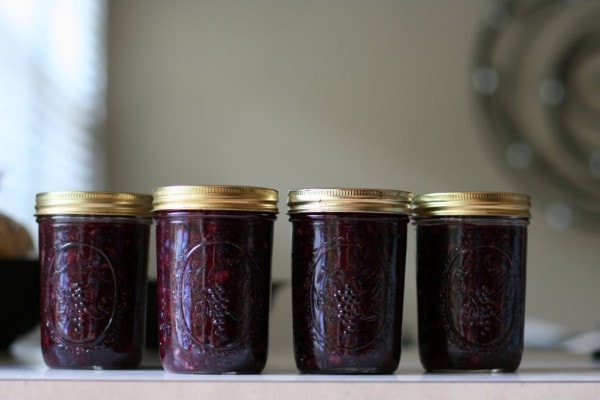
(214, 246)
(471, 266)
(348, 258)
(93, 257)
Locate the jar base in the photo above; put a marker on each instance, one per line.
(491, 371)
(194, 372)
(353, 372)
(347, 371)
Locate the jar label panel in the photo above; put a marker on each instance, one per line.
(83, 292)
(216, 295)
(479, 299)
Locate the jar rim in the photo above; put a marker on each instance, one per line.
(472, 203)
(93, 203)
(215, 197)
(363, 200)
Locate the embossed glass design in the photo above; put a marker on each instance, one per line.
(93, 274)
(214, 246)
(471, 291)
(214, 277)
(347, 282)
(348, 285)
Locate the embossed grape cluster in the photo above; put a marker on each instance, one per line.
(348, 308)
(76, 312)
(486, 312)
(218, 308)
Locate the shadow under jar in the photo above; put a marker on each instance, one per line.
(214, 246)
(471, 268)
(94, 262)
(348, 259)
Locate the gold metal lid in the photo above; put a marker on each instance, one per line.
(215, 197)
(93, 203)
(349, 200)
(472, 203)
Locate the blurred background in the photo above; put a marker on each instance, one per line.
(422, 96)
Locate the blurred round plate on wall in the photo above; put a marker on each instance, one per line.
(536, 78)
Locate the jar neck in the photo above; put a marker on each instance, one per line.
(348, 216)
(471, 219)
(95, 218)
(213, 213)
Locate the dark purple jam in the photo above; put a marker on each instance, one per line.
(347, 288)
(471, 292)
(93, 290)
(214, 279)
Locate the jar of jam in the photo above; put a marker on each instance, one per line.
(214, 246)
(471, 256)
(348, 258)
(94, 260)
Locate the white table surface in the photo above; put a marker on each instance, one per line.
(551, 374)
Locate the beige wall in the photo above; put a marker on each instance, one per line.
(290, 94)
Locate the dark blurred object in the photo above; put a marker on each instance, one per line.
(152, 316)
(152, 311)
(20, 294)
(537, 80)
(596, 355)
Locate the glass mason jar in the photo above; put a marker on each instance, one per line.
(94, 262)
(471, 256)
(214, 246)
(348, 258)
